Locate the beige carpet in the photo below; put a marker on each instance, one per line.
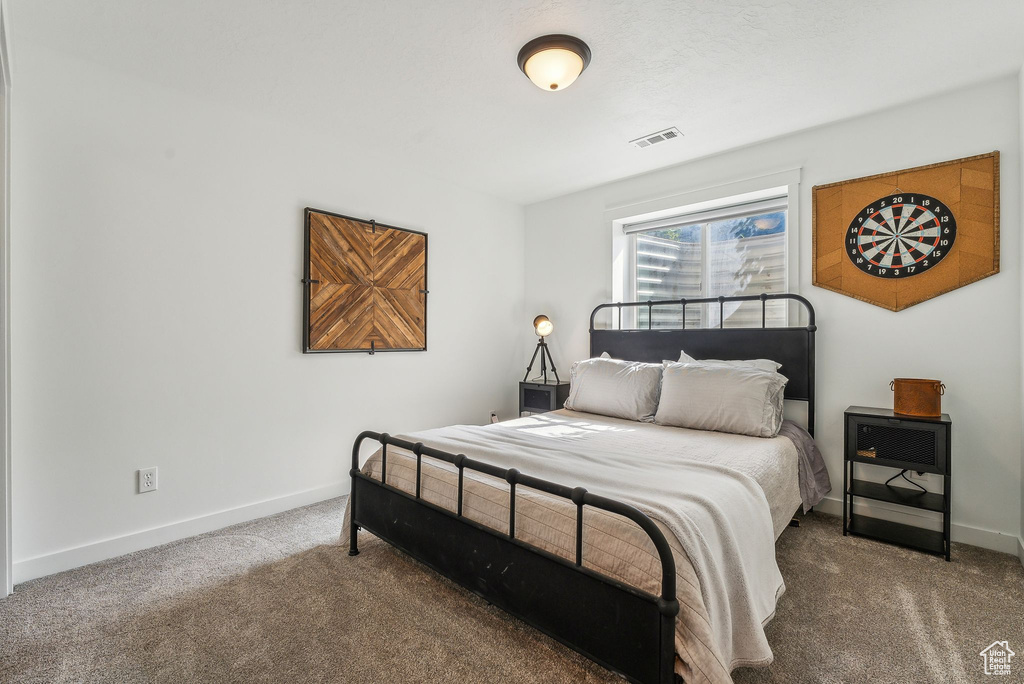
(273, 601)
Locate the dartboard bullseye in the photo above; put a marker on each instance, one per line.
(901, 235)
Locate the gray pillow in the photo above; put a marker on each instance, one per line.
(760, 364)
(744, 401)
(610, 387)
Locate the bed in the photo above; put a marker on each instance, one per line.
(657, 565)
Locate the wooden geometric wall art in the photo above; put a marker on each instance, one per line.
(897, 239)
(365, 286)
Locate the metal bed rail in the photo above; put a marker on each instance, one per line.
(627, 629)
(578, 495)
(764, 298)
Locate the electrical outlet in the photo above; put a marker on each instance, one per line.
(918, 476)
(147, 480)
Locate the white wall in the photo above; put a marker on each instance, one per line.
(970, 338)
(6, 574)
(1020, 114)
(157, 252)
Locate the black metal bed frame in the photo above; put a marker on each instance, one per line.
(623, 628)
(792, 346)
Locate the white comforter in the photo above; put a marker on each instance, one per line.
(692, 482)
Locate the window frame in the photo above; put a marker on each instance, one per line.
(704, 219)
(704, 199)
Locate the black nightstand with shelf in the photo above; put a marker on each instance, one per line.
(541, 397)
(913, 443)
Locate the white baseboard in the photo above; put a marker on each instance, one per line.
(48, 564)
(40, 566)
(973, 536)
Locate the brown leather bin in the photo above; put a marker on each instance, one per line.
(917, 397)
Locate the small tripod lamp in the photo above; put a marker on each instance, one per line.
(543, 326)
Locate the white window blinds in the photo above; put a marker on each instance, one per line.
(735, 249)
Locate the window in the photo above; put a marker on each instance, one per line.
(736, 249)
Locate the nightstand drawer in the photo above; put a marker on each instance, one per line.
(899, 443)
(538, 397)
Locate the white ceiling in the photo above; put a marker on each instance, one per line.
(435, 86)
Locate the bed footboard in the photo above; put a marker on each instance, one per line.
(627, 630)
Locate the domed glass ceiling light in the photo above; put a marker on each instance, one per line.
(554, 62)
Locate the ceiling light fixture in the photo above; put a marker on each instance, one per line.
(554, 62)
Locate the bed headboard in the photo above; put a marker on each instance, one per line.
(792, 346)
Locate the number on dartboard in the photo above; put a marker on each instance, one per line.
(901, 235)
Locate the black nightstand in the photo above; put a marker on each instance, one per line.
(893, 440)
(540, 397)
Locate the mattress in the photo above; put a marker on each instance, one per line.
(568, 447)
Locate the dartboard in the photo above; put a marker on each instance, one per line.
(901, 235)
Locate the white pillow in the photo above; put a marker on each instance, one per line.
(766, 365)
(744, 401)
(761, 364)
(610, 387)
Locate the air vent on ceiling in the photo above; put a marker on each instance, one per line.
(659, 137)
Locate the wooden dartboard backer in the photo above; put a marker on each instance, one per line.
(897, 239)
(365, 286)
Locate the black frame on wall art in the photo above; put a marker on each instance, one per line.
(382, 290)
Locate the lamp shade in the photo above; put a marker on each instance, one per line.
(554, 62)
(543, 326)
